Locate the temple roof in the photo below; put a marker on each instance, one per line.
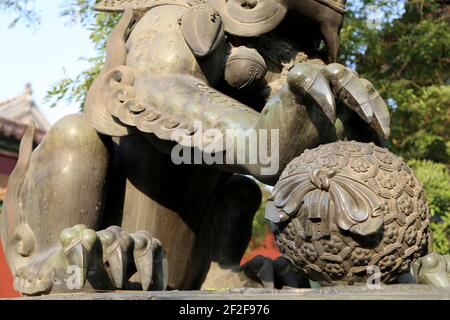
(16, 114)
(22, 109)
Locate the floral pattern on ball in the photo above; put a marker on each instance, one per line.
(337, 220)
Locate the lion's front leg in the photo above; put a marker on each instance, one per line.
(58, 185)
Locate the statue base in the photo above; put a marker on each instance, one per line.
(385, 292)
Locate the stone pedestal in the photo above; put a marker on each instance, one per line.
(386, 292)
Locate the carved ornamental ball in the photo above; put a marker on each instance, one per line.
(245, 68)
(345, 210)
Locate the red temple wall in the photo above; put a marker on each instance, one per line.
(7, 164)
(267, 248)
(6, 279)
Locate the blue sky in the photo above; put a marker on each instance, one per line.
(41, 55)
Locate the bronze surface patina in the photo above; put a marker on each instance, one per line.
(100, 204)
(348, 206)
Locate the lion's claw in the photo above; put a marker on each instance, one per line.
(324, 84)
(77, 243)
(433, 269)
(360, 96)
(261, 268)
(349, 89)
(307, 79)
(381, 120)
(147, 251)
(271, 274)
(116, 249)
(116, 246)
(121, 248)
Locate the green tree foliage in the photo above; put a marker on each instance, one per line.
(70, 90)
(23, 11)
(435, 178)
(74, 90)
(407, 59)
